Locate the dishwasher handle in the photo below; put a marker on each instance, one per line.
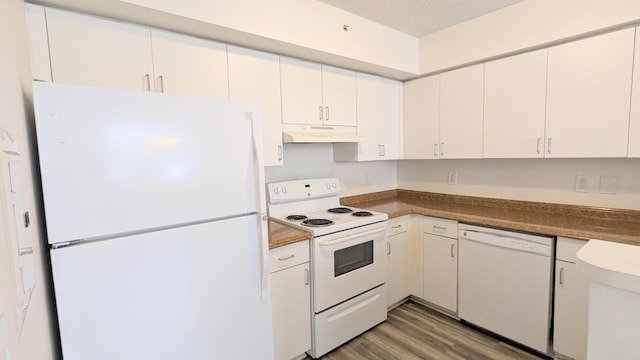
(505, 241)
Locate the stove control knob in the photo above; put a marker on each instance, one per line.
(276, 190)
(334, 185)
(328, 186)
(284, 189)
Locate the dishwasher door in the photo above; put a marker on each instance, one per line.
(504, 283)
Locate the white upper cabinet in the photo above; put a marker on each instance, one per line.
(339, 96)
(634, 126)
(379, 108)
(588, 96)
(187, 65)
(39, 44)
(314, 94)
(422, 118)
(90, 51)
(461, 113)
(255, 76)
(514, 106)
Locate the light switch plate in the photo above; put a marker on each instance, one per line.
(582, 183)
(608, 184)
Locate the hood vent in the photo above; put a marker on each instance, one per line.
(295, 133)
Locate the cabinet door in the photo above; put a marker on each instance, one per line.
(421, 118)
(634, 126)
(571, 311)
(187, 65)
(291, 309)
(397, 247)
(301, 84)
(391, 119)
(415, 261)
(255, 76)
(514, 106)
(39, 44)
(90, 51)
(588, 96)
(339, 96)
(441, 271)
(461, 113)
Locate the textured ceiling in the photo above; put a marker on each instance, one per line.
(420, 17)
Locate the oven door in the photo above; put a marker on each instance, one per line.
(347, 264)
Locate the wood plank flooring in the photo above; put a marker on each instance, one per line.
(413, 331)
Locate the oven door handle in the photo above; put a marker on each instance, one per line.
(350, 237)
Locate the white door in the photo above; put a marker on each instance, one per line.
(255, 76)
(461, 113)
(441, 271)
(90, 51)
(390, 119)
(515, 90)
(301, 83)
(588, 96)
(339, 96)
(188, 65)
(186, 293)
(422, 118)
(116, 161)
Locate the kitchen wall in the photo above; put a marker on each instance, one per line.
(303, 161)
(544, 180)
(35, 340)
(523, 25)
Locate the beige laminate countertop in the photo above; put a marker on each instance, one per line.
(579, 222)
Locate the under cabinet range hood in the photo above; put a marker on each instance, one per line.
(302, 133)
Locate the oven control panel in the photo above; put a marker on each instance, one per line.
(303, 189)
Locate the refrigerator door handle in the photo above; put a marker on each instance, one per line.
(256, 127)
(264, 257)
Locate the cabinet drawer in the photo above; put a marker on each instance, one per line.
(567, 248)
(397, 225)
(288, 256)
(441, 227)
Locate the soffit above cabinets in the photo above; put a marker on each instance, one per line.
(420, 17)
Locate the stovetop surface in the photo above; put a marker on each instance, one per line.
(338, 221)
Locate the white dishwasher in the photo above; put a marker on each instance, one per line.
(505, 283)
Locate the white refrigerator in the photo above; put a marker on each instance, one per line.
(155, 215)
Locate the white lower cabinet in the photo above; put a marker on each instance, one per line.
(415, 272)
(440, 263)
(571, 308)
(397, 249)
(291, 300)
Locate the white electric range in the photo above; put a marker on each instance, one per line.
(348, 258)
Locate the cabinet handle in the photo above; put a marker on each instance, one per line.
(549, 145)
(161, 78)
(396, 227)
(320, 111)
(25, 251)
(561, 277)
(280, 152)
(452, 255)
(439, 229)
(435, 150)
(538, 146)
(384, 151)
(286, 258)
(307, 280)
(148, 80)
(326, 107)
(441, 149)
(388, 248)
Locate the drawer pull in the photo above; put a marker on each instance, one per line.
(396, 227)
(286, 258)
(439, 229)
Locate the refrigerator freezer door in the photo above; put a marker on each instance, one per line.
(187, 293)
(115, 161)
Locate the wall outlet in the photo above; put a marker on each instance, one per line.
(608, 184)
(452, 178)
(582, 183)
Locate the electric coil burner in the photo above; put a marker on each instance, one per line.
(348, 259)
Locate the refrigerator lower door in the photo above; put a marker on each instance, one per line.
(185, 293)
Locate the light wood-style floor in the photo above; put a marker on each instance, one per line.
(413, 331)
